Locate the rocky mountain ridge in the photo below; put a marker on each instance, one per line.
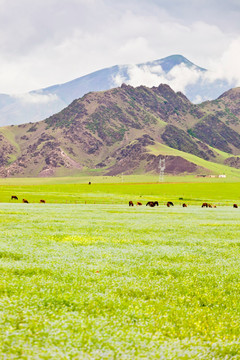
(126, 130)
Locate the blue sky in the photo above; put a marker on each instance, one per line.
(45, 42)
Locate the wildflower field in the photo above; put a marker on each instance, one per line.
(106, 281)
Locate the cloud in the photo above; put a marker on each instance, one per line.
(45, 42)
(36, 98)
(181, 76)
(145, 75)
(227, 66)
(178, 78)
(224, 72)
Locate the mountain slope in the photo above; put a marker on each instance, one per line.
(39, 104)
(115, 131)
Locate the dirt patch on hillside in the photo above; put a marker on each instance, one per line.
(135, 156)
(233, 162)
(174, 165)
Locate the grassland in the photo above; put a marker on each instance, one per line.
(217, 191)
(113, 282)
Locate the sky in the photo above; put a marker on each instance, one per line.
(48, 42)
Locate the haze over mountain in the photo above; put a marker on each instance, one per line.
(181, 74)
(127, 130)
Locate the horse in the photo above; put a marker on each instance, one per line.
(14, 197)
(150, 203)
(207, 205)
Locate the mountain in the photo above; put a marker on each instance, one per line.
(39, 104)
(127, 130)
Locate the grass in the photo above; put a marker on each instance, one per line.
(216, 191)
(122, 178)
(113, 282)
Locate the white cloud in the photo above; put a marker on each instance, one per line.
(226, 70)
(178, 78)
(198, 99)
(181, 76)
(227, 66)
(36, 98)
(45, 42)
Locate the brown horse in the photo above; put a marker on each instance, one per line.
(130, 203)
(207, 205)
(14, 197)
(169, 203)
(139, 203)
(150, 203)
(235, 206)
(42, 201)
(25, 201)
(184, 205)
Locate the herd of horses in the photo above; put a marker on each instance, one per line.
(154, 203)
(149, 203)
(25, 201)
(170, 203)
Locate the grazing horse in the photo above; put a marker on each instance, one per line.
(235, 206)
(150, 203)
(184, 205)
(156, 203)
(206, 205)
(89, 183)
(130, 203)
(169, 203)
(42, 201)
(25, 201)
(139, 203)
(14, 197)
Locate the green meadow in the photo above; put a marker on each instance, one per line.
(113, 282)
(115, 190)
(102, 280)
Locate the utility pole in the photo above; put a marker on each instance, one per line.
(161, 166)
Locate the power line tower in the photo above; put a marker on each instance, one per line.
(161, 166)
